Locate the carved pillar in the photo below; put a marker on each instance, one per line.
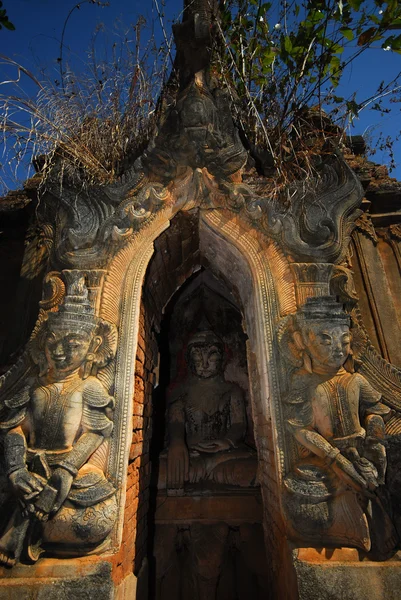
(378, 299)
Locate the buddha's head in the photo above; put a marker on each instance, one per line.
(323, 335)
(205, 354)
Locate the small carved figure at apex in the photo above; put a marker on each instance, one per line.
(54, 432)
(206, 424)
(334, 489)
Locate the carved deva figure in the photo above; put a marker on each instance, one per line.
(206, 424)
(53, 433)
(334, 493)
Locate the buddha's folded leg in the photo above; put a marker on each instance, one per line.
(198, 469)
(240, 472)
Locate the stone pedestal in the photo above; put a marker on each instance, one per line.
(242, 508)
(53, 579)
(330, 574)
(210, 546)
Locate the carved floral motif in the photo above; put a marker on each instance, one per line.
(364, 225)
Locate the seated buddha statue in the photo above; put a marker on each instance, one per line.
(206, 424)
(53, 432)
(337, 420)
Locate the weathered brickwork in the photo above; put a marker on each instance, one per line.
(135, 531)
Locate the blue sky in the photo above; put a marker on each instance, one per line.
(39, 23)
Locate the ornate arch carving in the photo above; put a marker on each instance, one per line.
(272, 296)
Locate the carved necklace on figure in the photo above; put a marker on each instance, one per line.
(56, 397)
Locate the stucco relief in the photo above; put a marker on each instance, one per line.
(334, 490)
(122, 285)
(198, 160)
(323, 409)
(55, 430)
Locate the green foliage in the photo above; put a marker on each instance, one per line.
(4, 20)
(283, 58)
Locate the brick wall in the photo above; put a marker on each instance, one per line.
(135, 531)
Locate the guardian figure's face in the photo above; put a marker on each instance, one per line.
(66, 351)
(327, 345)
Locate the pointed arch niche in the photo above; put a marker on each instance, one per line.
(140, 281)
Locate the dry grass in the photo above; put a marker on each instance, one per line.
(89, 124)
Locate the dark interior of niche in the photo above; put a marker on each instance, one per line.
(202, 302)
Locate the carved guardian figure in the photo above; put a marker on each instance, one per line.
(54, 433)
(333, 492)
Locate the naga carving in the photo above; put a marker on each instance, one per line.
(335, 418)
(54, 431)
(312, 224)
(91, 225)
(197, 160)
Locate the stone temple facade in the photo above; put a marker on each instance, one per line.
(201, 391)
